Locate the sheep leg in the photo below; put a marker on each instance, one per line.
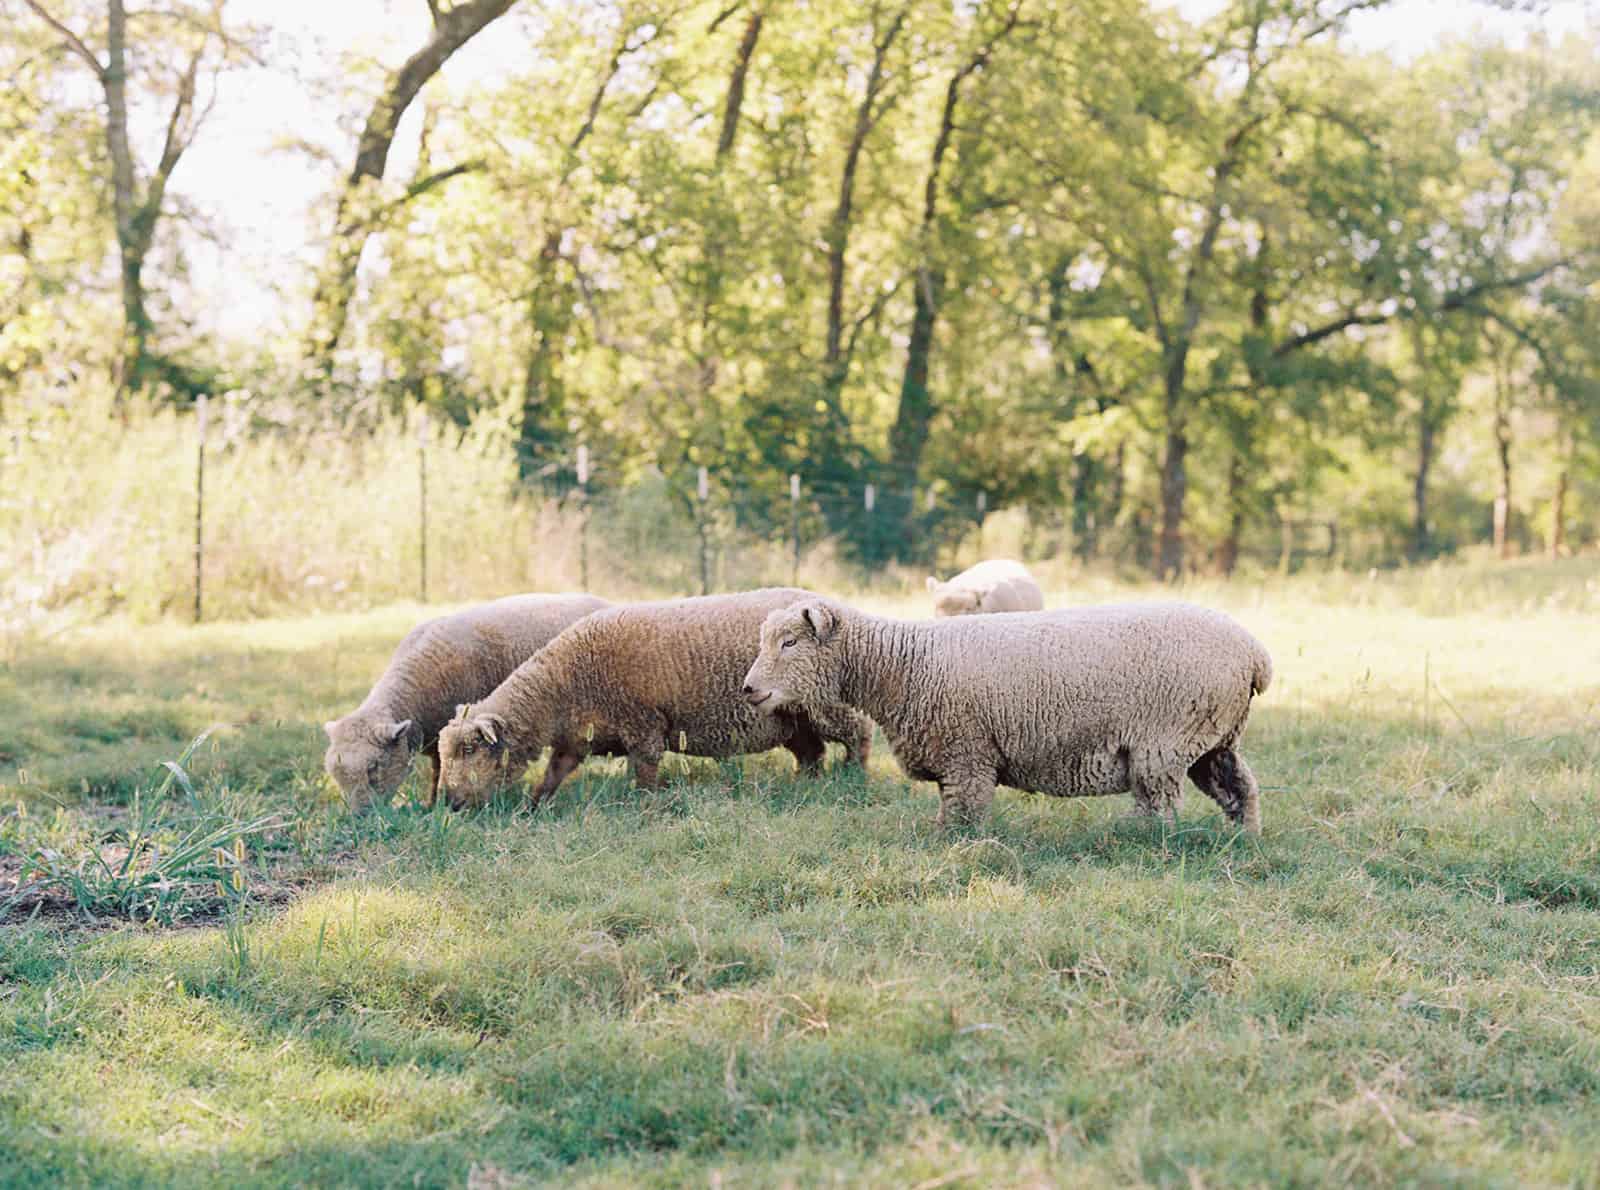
(1157, 794)
(1226, 778)
(646, 773)
(807, 746)
(432, 753)
(965, 800)
(858, 741)
(852, 730)
(558, 770)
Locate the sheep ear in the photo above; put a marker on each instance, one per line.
(491, 728)
(329, 726)
(822, 621)
(398, 730)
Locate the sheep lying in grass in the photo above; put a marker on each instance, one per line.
(439, 665)
(640, 679)
(998, 585)
(1071, 703)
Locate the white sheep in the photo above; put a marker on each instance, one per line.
(998, 585)
(440, 664)
(638, 680)
(1073, 703)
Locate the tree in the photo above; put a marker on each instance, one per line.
(201, 47)
(360, 208)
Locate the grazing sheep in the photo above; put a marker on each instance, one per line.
(998, 585)
(440, 664)
(1070, 703)
(640, 679)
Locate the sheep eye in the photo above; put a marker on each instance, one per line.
(788, 643)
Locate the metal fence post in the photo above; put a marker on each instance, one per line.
(199, 500)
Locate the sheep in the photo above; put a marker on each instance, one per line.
(1071, 703)
(998, 585)
(637, 680)
(440, 664)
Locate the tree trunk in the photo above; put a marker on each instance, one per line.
(835, 363)
(131, 361)
(540, 430)
(909, 435)
(354, 220)
(741, 68)
(1228, 551)
(1421, 538)
(1085, 522)
(1174, 487)
(910, 431)
(1558, 505)
(1502, 442)
(1111, 508)
(1285, 540)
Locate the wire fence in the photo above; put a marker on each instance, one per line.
(219, 511)
(698, 530)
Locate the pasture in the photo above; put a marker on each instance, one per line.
(217, 975)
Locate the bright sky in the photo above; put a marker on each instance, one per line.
(263, 198)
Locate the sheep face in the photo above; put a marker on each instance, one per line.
(474, 760)
(795, 666)
(954, 601)
(368, 758)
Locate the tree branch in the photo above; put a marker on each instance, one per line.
(1463, 299)
(417, 189)
(452, 30)
(74, 42)
(735, 100)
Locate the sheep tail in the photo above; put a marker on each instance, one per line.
(1261, 671)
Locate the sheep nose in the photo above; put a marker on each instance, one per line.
(749, 689)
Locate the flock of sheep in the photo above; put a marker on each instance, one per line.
(1098, 700)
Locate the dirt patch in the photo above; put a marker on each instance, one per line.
(31, 901)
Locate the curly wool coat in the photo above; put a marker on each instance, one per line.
(1072, 703)
(440, 664)
(998, 585)
(640, 679)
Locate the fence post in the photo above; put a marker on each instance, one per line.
(983, 509)
(423, 426)
(869, 501)
(794, 522)
(199, 499)
(583, 516)
(703, 491)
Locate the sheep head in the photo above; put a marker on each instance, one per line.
(368, 755)
(474, 758)
(797, 665)
(950, 600)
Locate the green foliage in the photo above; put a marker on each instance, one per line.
(163, 866)
(1184, 285)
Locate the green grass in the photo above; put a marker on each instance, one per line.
(767, 980)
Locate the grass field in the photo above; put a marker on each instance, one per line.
(751, 979)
